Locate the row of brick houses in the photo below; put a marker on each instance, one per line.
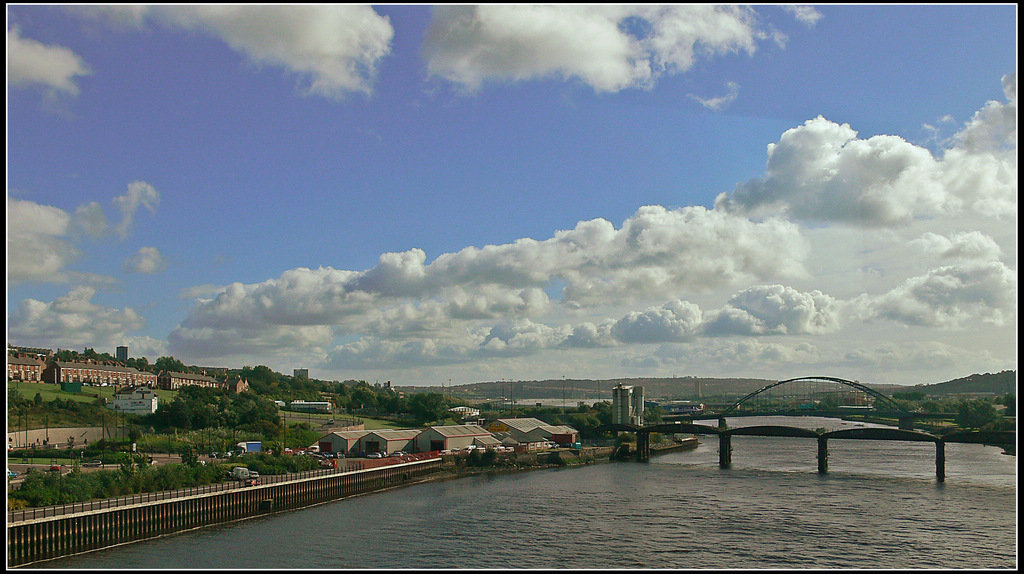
(28, 367)
(24, 367)
(97, 373)
(174, 380)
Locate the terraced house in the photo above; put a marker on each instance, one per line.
(96, 373)
(22, 367)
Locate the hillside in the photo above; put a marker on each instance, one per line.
(586, 389)
(1001, 383)
(691, 387)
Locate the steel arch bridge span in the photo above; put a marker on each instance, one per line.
(879, 397)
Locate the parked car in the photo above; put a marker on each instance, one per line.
(254, 478)
(375, 455)
(93, 463)
(11, 474)
(398, 453)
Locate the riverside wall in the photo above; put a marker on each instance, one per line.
(38, 539)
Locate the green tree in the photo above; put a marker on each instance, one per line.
(189, 456)
(428, 407)
(169, 364)
(975, 413)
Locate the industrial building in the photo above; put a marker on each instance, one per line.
(454, 437)
(627, 405)
(345, 442)
(387, 440)
(531, 430)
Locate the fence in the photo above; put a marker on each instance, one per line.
(91, 505)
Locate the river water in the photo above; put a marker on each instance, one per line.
(879, 506)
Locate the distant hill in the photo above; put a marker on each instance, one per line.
(691, 387)
(1001, 383)
(580, 389)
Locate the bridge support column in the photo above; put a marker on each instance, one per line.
(906, 423)
(721, 423)
(643, 446)
(822, 455)
(940, 461)
(724, 450)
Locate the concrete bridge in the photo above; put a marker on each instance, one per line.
(643, 442)
(875, 403)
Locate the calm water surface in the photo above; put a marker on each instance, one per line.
(878, 507)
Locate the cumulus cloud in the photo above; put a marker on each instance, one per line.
(674, 321)
(719, 103)
(774, 310)
(147, 260)
(968, 246)
(657, 253)
(72, 321)
(335, 49)
(607, 47)
(821, 171)
(37, 244)
(32, 63)
(947, 297)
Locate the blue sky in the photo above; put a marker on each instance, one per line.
(419, 195)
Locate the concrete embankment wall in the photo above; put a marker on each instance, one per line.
(34, 540)
(57, 437)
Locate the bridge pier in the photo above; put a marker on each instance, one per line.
(643, 446)
(906, 423)
(822, 455)
(940, 461)
(724, 450)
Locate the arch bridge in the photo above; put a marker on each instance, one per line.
(768, 400)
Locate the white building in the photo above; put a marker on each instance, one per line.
(134, 401)
(627, 405)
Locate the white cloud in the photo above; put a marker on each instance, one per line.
(334, 48)
(719, 103)
(674, 321)
(967, 246)
(140, 194)
(147, 260)
(948, 297)
(32, 63)
(72, 321)
(821, 171)
(37, 247)
(804, 14)
(607, 47)
(657, 253)
(91, 219)
(774, 309)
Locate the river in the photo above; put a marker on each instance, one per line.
(879, 506)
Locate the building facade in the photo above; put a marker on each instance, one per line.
(454, 437)
(627, 405)
(97, 373)
(134, 400)
(24, 367)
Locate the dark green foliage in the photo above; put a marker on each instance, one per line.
(202, 407)
(975, 413)
(135, 476)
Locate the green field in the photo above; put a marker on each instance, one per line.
(47, 416)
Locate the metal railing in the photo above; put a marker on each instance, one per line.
(105, 503)
(129, 500)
